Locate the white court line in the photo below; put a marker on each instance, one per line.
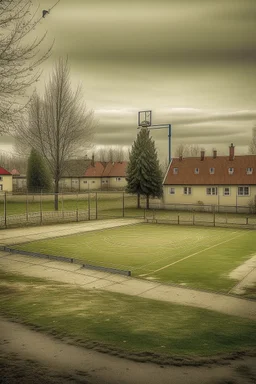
(193, 254)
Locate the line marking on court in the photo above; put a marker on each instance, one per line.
(193, 254)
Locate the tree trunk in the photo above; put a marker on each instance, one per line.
(138, 200)
(147, 201)
(56, 195)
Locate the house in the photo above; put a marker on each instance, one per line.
(228, 181)
(72, 176)
(19, 182)
(104, 176)
(5, 180)
(114, 175)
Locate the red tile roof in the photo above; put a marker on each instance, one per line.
(4, 172)
(94, 171)
(116, 169)
(107, 169)
(15, 172)
(221, 164)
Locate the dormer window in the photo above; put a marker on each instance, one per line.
(212, 170)
(231, 171)
(196, 171)
(249, 171)
(175, 171)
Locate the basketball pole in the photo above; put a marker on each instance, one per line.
(147, 124)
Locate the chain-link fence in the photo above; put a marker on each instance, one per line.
(38, 209)
(208, 218)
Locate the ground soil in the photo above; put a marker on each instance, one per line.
(27, 356)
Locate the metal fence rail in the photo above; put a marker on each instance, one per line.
(38, 209)
(67, 260)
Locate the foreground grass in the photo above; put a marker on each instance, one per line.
(193, 256)
(115, 322)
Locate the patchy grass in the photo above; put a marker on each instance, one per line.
(197, 257)
(123, 324)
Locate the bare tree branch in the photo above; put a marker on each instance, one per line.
(19, 58)
(58, 126)
(252, 145)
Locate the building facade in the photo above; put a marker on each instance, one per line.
(219, 181)
(5, 180)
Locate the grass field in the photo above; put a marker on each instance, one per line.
(197, 257)
(116, 322)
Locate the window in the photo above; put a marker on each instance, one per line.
(106, 181)
(103, 181)
(243, 191)
(1, 178)
(93, 182)
(118, 178)
(85, 182)
(212, 171)
(196, 171)
(1, 187)
(249, 171)
(226, 191)
(231, 171)
(172, 191)
(175, 171)
(187, 190)
(211, 191)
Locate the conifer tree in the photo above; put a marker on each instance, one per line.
(38, 176)
(143, 171)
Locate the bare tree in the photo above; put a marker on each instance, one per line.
(181, 150)
(13, 161)
(194, 150)
(187, 150)
(19, 58)
(112, 154)
(252, 145)
(58, 125)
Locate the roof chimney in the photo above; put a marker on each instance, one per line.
(202, 154)
(231, 152)
(180, 157)
(92, 162)
(214, 153)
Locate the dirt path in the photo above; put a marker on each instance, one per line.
(98, 368)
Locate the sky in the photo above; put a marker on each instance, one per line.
(192, 62)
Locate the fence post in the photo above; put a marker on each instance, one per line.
(193, 219)
(123, 204)
(213, 207)
(77, 207)
(89, 208)
(246, 221)
(62, 207)
(27, 207)
(144, 213)
(5, 210)
(41, 213)
(96, 205)
(178, 219)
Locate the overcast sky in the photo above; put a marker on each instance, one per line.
(192, 62)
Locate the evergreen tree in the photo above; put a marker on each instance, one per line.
(38, 176)
(143, 171)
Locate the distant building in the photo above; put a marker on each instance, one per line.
(105, 176)
(212, 180)
(5, 180)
